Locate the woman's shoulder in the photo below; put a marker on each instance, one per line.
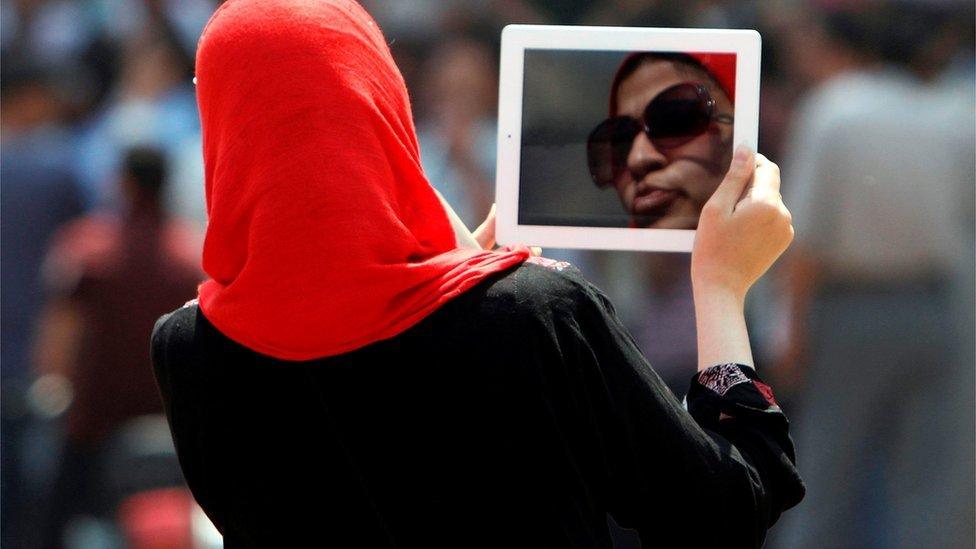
(548, 287)
(178, 325)
(540, 290)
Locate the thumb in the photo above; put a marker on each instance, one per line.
(740, 173)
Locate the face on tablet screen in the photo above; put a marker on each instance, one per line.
(624, 139)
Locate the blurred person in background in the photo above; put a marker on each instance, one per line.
(151, 102)
(125, 68)
(60, 67)
(880, 179)
(458, 129)
(665, 330)
(109, 277)
(39, 193)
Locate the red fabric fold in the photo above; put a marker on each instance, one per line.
(324, 234)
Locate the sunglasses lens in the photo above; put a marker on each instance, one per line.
(678, 115)
(608, 146)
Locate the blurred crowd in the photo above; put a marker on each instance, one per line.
(865, 328)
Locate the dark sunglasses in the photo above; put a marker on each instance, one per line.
(674, 117)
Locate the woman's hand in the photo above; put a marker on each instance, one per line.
(485, 234)
(462, 236)
(483, 237)
(743, 228)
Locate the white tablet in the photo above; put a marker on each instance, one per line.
(613, 138)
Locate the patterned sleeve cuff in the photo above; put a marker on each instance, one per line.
(729, 391)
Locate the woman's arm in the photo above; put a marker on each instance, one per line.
(724, 459)
(463, 237)
(482, 238)
(743, 229)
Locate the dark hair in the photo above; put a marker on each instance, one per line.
(898, 32)
(16, 77)
(146, 167)
(908, 31)
(634, 61)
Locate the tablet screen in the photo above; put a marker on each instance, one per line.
(623, 139)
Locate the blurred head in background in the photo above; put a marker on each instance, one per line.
(150, 68)
(28, 100)
(920, 37)
(460, 84)
(143, 176)
(462, 73)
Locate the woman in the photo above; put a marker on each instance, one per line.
(668, 141)
(352, 377)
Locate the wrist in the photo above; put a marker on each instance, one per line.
(718, 293)
(720, 320)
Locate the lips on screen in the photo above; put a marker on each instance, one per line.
(623, 139)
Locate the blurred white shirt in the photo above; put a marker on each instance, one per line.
(879, 174)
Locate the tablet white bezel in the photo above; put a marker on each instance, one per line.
(518, 38)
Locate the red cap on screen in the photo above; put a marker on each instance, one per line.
(720, 65)
(722, 68)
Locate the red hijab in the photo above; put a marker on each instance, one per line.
(324, 234)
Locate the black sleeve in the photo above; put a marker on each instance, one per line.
(718, 476)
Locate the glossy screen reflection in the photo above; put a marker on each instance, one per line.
(624, 139)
